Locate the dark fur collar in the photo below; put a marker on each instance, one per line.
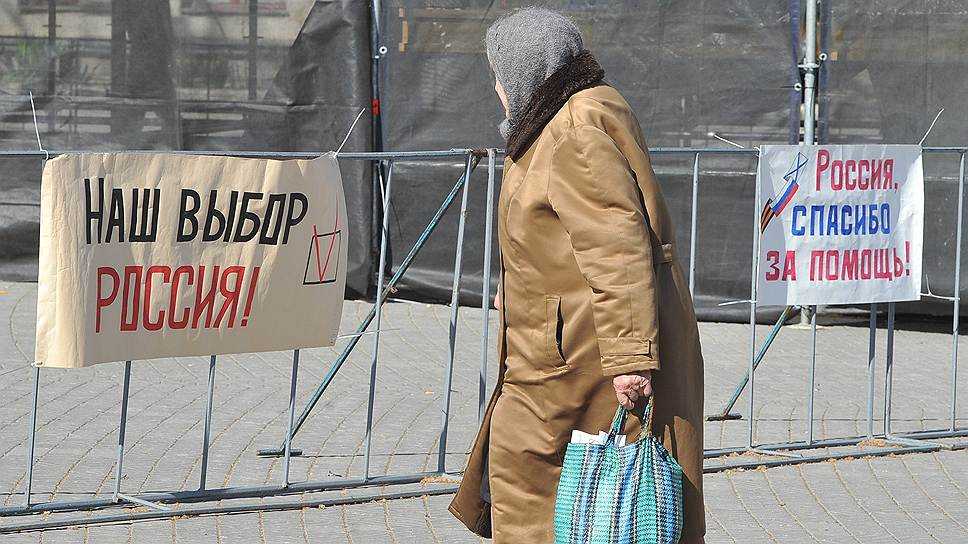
(581, 73)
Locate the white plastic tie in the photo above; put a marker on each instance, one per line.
(720, 138)
(33, 110)
(732, 302)
(350, 131)
(925, 137)
(359, 334)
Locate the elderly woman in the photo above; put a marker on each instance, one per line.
(596, 310)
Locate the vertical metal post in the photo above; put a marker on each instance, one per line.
(810, 72)
(33, 432)
(119, 65)
(376, 123)
(51, 64)
(754, 273)
(809, 66)
(253, 48)
(957, 294)
(813, 373)
(486, 284)
(381, 271)
(454, 305)
(287, 455)
(871, 347)
(124, 421)
(889, 370)
(692, 227)
(208, 422)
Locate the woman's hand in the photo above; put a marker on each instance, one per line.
(497, 298)
(631, 387)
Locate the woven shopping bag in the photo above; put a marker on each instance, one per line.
(610, 494)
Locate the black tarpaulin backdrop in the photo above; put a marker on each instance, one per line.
(687, 68)
(136, 75)
(186, 75)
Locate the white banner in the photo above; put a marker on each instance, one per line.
(841, 224)
(160, 255)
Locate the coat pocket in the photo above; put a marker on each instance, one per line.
(662, 254)
(554, 328)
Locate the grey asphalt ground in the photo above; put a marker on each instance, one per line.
(917, 497)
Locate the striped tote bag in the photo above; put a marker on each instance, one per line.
(610, 494)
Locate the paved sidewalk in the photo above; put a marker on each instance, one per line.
(904, 498)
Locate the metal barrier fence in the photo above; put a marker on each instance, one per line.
(470, 158)
(780, 453)
(904, 441)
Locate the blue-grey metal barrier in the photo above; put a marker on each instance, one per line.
(470, 158)
(906, 441)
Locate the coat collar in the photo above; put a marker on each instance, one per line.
(581, 73)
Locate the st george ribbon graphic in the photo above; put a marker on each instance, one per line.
(792, 177)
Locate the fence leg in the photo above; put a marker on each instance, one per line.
(692, 227)
(208, 422)
(486, 284)
(889, 391)
(813, 373)
(871, 346)
(292, 411)
(957, 296)
(889, 370)
(454, 305)
(754, 273)
(753, 357)
(118, 496)
(33, 432)
(124, 423)
(381, 271)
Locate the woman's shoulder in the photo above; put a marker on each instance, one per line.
(601, 107)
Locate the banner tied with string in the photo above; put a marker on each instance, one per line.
(840, 224)
(161, 255)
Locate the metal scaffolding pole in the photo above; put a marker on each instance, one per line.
(809, 67)
(51, 64)
(253, 48)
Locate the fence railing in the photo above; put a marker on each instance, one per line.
(779, 453)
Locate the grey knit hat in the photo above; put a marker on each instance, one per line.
(524, 48)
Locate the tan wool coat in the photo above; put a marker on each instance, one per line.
(592, 288)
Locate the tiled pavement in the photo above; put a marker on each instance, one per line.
(905, 498)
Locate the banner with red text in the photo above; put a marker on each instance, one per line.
(840, 224)
(160, 255)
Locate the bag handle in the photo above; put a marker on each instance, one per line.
(619, 422)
